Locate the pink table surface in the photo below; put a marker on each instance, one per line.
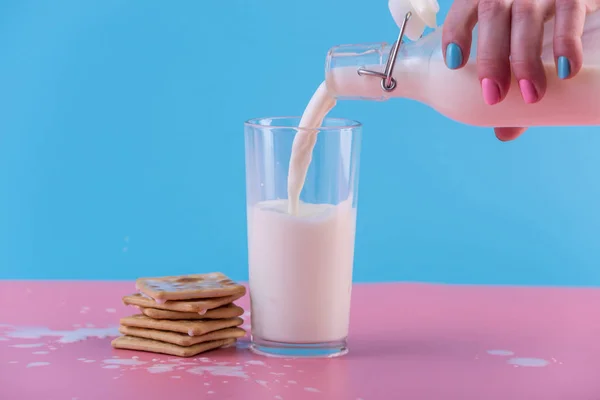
(407, 341)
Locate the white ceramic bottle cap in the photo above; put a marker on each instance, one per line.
(423, 14)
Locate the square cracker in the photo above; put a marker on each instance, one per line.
(201, 305)
(154, 346)
(179, 338)
(227, 311)
(191, 328)
(186, 287)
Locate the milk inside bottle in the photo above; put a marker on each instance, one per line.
(420, 73)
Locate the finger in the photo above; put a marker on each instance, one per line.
(457, 32)
(493, 49)
(527, 32)
(568, 28)
(508, 134)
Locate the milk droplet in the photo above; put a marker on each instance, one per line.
(125, 361)
(161, 368)
(500, 353)
(37, 364)
(64, 336)
(528, 362)
(27, 345)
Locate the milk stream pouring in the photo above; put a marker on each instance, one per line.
(420, 74)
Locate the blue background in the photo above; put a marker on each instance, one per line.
(121, 150)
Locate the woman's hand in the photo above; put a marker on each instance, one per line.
(510, 34)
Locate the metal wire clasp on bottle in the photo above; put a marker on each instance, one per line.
(388, 83)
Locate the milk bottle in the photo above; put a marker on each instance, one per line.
(419, 73)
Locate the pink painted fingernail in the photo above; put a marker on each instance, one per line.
(491, 91)
(528, 91)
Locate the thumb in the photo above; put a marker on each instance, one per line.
(508, 134)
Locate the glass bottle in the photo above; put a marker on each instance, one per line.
(421, 74)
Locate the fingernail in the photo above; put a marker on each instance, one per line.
(563, 67)
(454, 57)
(528, 91)
(491, 91)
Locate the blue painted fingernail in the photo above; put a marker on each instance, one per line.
(563, 67)
(454, 57)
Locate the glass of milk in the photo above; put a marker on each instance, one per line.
(301, 260)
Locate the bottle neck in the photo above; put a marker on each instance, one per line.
(345, 80)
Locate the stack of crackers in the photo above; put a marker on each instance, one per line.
(183, 315)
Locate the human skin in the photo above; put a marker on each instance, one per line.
(509, 40)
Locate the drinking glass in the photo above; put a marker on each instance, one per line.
(300, 265)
